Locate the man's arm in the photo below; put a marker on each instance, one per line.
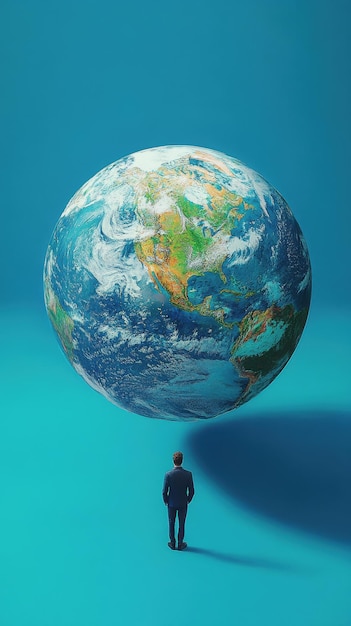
(165, 489)
(191, 489)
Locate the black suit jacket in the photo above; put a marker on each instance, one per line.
(178, 487)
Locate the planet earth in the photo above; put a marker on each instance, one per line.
(178, 282)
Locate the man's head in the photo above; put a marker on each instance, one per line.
(178, 458)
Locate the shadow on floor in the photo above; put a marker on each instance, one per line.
(293, 467)
(241, 560)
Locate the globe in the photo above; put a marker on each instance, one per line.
(178, 282)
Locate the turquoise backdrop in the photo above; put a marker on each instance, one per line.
(83, 530)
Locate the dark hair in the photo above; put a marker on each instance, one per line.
(178, 458)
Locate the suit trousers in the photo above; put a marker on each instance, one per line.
(172, 513)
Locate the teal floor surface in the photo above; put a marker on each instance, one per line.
(83, 529)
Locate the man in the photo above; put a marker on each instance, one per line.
(178, 491)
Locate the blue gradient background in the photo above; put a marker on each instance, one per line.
(83, 530)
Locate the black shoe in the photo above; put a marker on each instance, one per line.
(182, 546)
(171, 545)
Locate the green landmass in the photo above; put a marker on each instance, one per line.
(180, 246)
(62, 323)
(257, 365)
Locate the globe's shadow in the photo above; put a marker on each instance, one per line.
(293, 467)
